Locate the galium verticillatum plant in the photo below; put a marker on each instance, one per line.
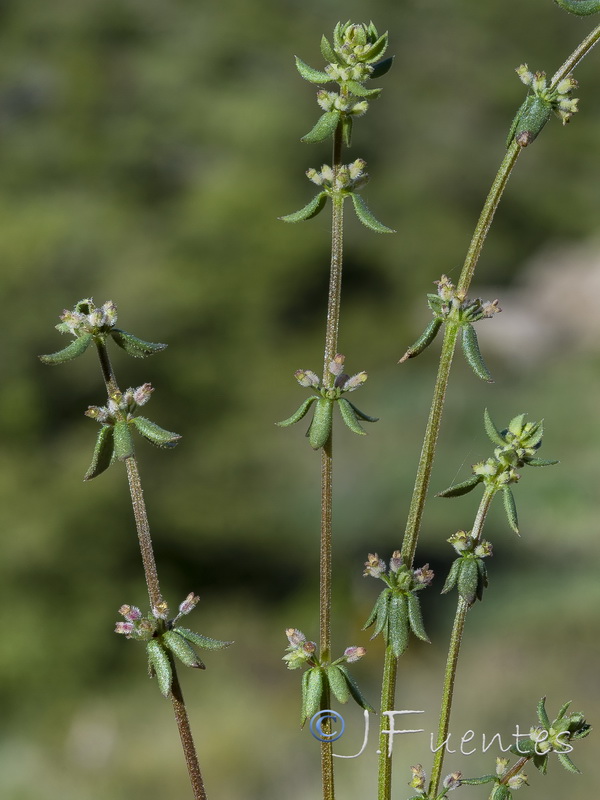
(165, 639)
(354, 56)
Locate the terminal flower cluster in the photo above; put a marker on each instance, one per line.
(89, 323)
(517, 446)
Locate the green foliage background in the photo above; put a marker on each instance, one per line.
(146, 151)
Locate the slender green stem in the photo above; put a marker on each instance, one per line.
(331, 346)
(515, 769)
(417, 503)
(388, 697)
(576, 56)
(452, 660)
(145, 541)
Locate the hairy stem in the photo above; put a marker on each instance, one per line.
(145, 541)
(388, 696)
(331, 345)
(187, 741)
(452, 660)
(576, 56)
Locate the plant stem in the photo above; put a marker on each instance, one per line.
(331, 344)
(388, 696)
(452, 660)
(187, 741)
(145, 541)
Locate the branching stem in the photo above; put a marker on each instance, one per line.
(452, 660)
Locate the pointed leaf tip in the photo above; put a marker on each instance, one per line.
(366, 217)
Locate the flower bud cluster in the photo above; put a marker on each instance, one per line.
(121, 405)
(343, 382)
(419, 779)
(399, 576)
(450, 302)
(87, 318)
(299, 651)
(515, 781)
(136, 626)
(349, 177)
(355, 43)
(465, 543)
(348, 104)
(557, 97)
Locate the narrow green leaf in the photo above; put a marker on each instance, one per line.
(201, 641)
(133, 346)
(516, 425)
(482, 583)
(458, 489)
(361, 414)
(180, 647)
(373, 615)
(468, 579)
(511, 509)
(541, 763)
(563, 710)
(365, 216)
(382, 614)
(478, 781)
(472, 353)
(491, 430)
(159, 662)
(324, 128)
(337, 683)
(416, 618)
(356, 693)
(320, 427)
(314, 692)
(501, 792)
(349, 417)
(309, 211)
(543, 714)
(540, 462)
(103, 453)
(304, 690)
(328, 52)
(452, 576)
(310, 74)
(71, 351)
(377, 49)
(154, 433)
(398, 624)
(523, 747)
(381, 68)
(123, 442)
(299, 414)
(580, 7)
(534, 114)
(567, 763)
(424, 340)
(361, 91)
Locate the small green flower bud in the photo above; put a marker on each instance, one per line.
(484, 549)
(326, 99)
(419, 778)
(314, 176)
(355, 382)
(359, 108)
(501, 765)
(461, 541)
(516, 781)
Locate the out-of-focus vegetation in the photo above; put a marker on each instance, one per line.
(146, 151)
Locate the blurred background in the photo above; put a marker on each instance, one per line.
(147, 149)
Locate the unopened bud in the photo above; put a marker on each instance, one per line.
(352, 654)
(295, 637)
(452, 781)
(190, 602)
(131, 613)
(374, 566)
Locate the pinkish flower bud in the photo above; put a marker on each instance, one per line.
(424, 575)
(190, 602)
(354, 653)
(418, 777)
(396, 561)
(306, 378)
(126, 628)
(141, 395)
(336, 367)
(452, 781)
(354, 382)
(131, 613)
(374, 566)
(295, 637)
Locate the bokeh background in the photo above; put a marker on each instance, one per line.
(147, 148)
